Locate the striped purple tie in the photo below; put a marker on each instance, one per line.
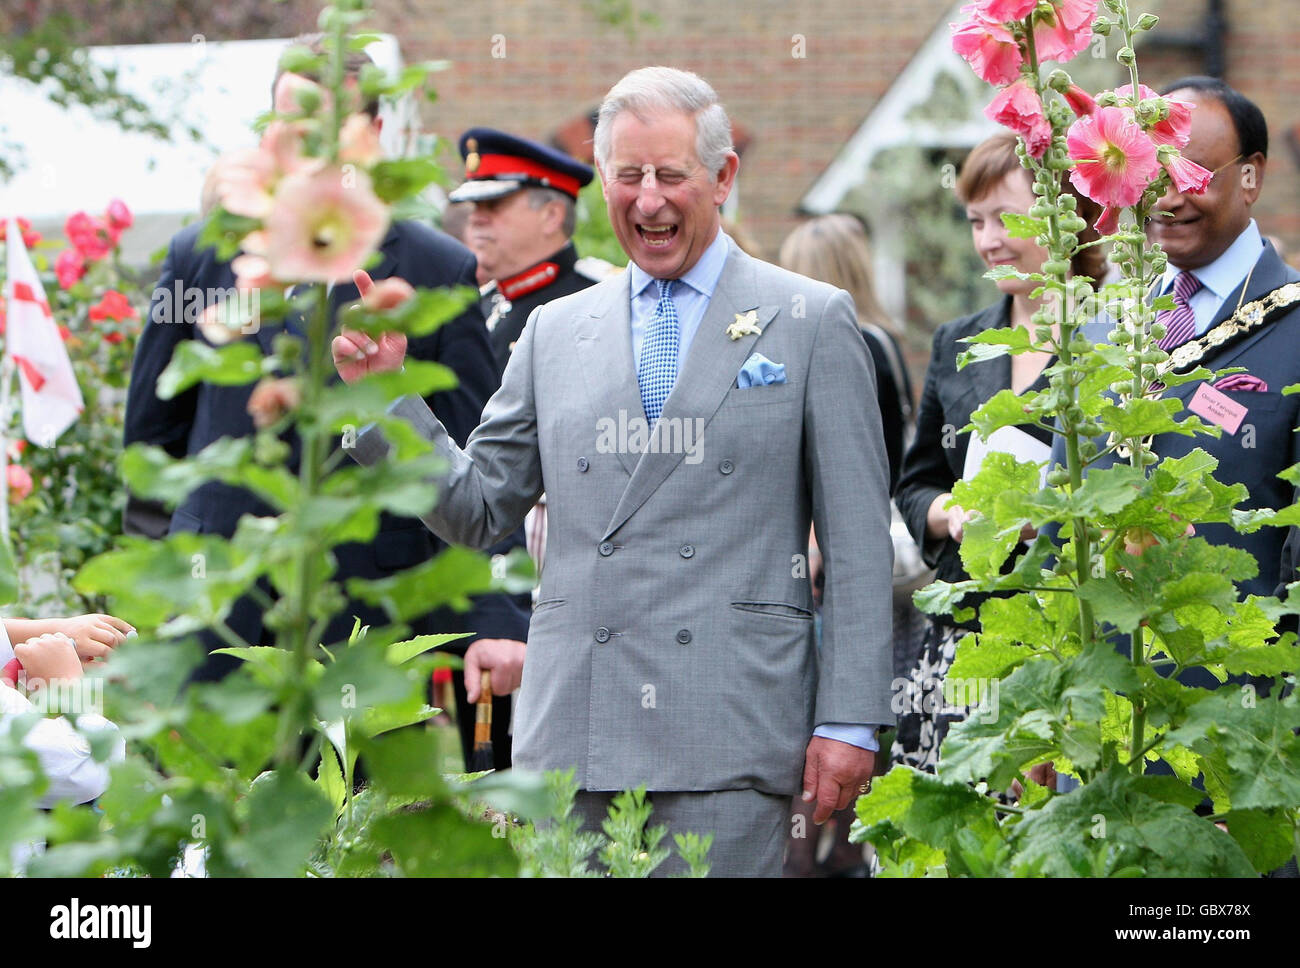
(1179, 322)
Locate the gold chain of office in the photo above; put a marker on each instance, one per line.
(1251, 316)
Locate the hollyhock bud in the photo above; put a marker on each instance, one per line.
(20, 482)
(1080, 101)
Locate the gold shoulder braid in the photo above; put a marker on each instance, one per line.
(1251, 316)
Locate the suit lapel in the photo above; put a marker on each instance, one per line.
(604, 342)
(1268, 273)
(704, 376)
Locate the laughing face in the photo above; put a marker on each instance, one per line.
(666, 219)
(1194, 230)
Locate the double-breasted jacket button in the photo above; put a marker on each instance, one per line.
(602, 634)
(687, 551)
(684, 636)
(583, 464)
(606, 548)
(726, 467)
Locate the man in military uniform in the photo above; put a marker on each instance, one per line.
(524, 196)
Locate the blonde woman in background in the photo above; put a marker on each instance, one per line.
(834, 249)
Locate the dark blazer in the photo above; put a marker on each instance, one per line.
(937, 456)
(189, 422)
(1266, 442)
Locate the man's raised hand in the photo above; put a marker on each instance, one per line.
(356, 354)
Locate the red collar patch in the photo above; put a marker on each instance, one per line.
(530, 280)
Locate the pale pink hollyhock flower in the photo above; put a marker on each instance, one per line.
(1066, 34)
(20, 482)
(1188, 176)
(991, 51)
(1114, 158)
(1176, 129)
(283, 141)
(359, 141)
(1002, 11)
(1019, 108)
(323, 225)
(244, 180)
(252, 271)
(1080, 101)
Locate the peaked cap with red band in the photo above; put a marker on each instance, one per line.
(497, 164)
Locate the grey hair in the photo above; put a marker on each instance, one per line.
(539, 196)
(650, 90)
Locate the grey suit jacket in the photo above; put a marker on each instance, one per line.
(672, 643)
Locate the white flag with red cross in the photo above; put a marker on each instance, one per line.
(51, 399)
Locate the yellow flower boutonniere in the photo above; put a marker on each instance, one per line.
(744, 324)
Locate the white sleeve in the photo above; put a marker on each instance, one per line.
(64, 753)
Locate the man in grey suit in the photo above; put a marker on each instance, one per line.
(688, 420)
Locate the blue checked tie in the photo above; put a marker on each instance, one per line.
(657, 371)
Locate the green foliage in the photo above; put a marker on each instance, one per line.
(1078, 663)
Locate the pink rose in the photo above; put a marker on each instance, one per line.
(70, 266)
(118, 215)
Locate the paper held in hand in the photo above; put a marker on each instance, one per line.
(1007, 440)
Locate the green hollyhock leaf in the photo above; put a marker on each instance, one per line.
(287, 816)
(1004, 409)
(442, 842)
(1023, 226)
(1266, 836)
(1257, 737)
(403, 487)
(195, 362)
(992, 343)
(8, 573)
(329, 777)
(397, 178)
(997, 494)
(405, 763)
(418, 316)
(360, 678)
(152, 473)
(400, 652)
(1143, 418)
(344, 405)
(941, 597)
(1114, 823)
(448, 579)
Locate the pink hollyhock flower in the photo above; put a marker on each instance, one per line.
(323, 225)
(359, 141)
(288, 88)
(1108, 222)
(1114, 158)
(988, 47)
(20, 482)
(1002, 11)
(90, 236)
(1176, 129)
(1066, 33)
(70, 266)
(1019, 108)
(1188, 176)
(118, 215)
(1080, 101)
(113, 305)
(252, 272)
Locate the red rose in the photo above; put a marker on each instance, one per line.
(70, 266)
(113, 337)
(113, 305)
(90, 236)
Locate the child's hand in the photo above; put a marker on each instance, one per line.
(48, 657)
(94, 635)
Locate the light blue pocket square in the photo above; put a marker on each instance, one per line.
(759, 371)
